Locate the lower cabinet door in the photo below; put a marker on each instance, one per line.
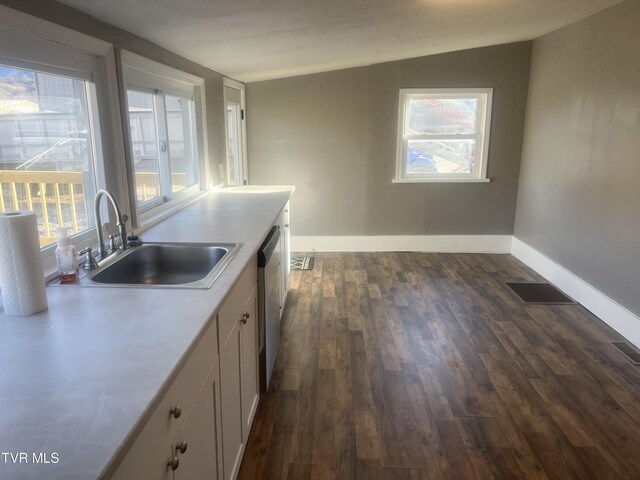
(249, 355)
(231, 400)
(147, 460)
(197, 444)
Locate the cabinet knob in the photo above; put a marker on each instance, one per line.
(176, 411)
(245, 317)
(174, 463)
(286, 225)
(182, 447)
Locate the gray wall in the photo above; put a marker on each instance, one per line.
(579, 194)
(333, 136)
(78, 21)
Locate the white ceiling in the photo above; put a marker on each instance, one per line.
(261, 39)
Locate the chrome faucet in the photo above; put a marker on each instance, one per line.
(120, 223)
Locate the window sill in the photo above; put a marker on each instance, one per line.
(155, 215)
(440, 180)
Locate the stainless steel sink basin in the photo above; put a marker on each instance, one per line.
(171, 265)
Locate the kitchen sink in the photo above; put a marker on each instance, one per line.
(169, 265)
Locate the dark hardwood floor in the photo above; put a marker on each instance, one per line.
(426, 366)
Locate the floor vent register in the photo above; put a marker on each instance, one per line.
(539, 293)
(302, 263)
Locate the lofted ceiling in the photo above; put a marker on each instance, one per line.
(262, 39)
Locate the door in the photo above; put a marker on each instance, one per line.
(235, 125)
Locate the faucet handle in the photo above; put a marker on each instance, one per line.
(113, 243)
(90, 262)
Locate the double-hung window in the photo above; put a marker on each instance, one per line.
(56, 127)
(443, 135)
(166, 127)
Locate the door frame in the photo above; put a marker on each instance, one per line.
(228, 82)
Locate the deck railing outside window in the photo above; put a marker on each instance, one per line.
(49, 156)
(58, 198)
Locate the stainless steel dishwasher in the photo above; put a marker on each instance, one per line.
(269, 302)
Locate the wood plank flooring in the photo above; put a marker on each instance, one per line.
(426, 366)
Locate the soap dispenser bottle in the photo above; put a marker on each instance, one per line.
(66, 257)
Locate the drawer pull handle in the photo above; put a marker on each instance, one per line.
(174, 463)
(175, 412)
(245, 317)
(182, 447)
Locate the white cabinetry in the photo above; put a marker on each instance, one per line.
(198, 444)
(200, 426)
(249, 359)
(191, 398)
(230, 382)
(238, 333)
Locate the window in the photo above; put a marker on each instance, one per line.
(144, 145)
(59, 127)
(47, 148)
(443, 135)
(181, 135)
(166, 127)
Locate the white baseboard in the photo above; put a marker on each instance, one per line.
(625, 322)
(404, 243)
(608, 310)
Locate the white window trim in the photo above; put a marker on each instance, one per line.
(480, 173)
(156, 211)
(107, 91)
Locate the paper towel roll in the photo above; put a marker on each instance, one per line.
(21, 275)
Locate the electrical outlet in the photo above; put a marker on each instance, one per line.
(221, 171)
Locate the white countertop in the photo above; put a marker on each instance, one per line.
(77, 378)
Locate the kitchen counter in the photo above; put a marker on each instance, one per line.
(78, 379)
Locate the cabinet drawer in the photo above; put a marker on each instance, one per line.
(150, 450)
(233, 304)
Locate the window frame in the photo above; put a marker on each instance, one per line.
(482, 135)
(142, 74)
(52, 48)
